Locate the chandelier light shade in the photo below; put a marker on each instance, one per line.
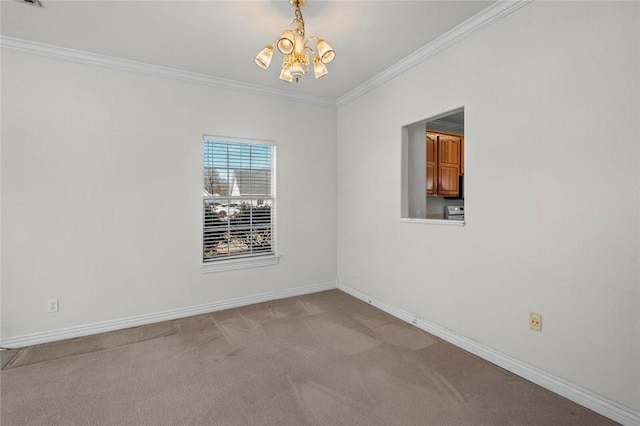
(325, 51)
(286, 42)
(319, 69)
(264, 57)
(293, 45)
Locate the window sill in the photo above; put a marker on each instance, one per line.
(239, 263)
(433, 221)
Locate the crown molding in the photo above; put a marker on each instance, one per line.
(486, 17)
(12, 44)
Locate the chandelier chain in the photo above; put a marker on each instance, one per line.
(299, 18)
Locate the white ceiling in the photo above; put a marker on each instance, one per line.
(221, 38)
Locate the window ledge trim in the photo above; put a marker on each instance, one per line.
(240, 263)
(433, 221)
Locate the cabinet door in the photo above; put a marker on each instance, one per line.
(448, 183)
(461, 156)
(449, 151)
(432, 168)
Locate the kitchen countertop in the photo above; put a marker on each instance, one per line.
(436, 216)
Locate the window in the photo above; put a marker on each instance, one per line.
(433, 170)
(238, 204)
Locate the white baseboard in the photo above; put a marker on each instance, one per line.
(119, 324)
(601, 405)
(623, 415)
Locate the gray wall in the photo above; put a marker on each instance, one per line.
(551, 97)
(102, 193)
(415, 149)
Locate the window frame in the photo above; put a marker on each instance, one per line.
(249, 260)
(410, 134)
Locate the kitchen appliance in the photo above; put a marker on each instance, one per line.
(454, 212)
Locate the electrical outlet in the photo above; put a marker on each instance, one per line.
(535, 321)
(52, 305)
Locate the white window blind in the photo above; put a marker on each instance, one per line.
(238, 199)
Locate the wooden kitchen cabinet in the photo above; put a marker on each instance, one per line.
(444, 164)
(432, 163)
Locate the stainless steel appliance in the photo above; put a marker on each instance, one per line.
(454, 212)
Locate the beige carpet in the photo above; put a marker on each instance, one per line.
(320, 359)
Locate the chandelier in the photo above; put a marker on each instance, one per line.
(293, 45)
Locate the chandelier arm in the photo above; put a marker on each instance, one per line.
(316, 39)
